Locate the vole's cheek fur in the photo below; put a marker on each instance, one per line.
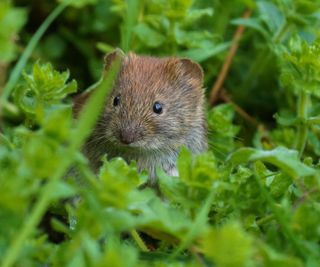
(157, 138)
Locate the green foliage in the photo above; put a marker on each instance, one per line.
(221, 139)
(11, 20)
(220, 244)
(251, 200)
(78, 3)
(44, 88)
(301, 70)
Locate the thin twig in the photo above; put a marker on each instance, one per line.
(227, 63)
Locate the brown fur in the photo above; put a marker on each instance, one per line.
(155, 138)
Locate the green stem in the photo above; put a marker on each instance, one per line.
(139, 241)
(86, 122)
(265, 219)
(36, 214)
(199, 224)
(279, 217)
(302, 114)
(16, 72)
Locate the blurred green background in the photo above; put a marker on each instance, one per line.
(198, 29)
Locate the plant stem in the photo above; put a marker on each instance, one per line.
(265, 219)
(199, 223)
(85, 123)
(139, 241)
(302, 114)
(279, 217)
(16, 72)
(39, 209)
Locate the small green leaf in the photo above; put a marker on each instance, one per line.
(301, 67)
(251, 23)
(286, 120)
(201, 54)
(271, 15)
(43, 88)
(285, 159)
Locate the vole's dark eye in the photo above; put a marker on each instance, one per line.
(157, 107)
(116, 101)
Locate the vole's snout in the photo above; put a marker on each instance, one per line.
(130, 134)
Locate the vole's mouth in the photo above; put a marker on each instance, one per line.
(139, 145)
(133, 145)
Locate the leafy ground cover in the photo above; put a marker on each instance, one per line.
(251, 200)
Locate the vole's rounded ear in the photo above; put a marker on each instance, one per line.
(110, 57)
(192, 69)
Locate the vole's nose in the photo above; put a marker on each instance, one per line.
(129, 135)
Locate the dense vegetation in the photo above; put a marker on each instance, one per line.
(251, 200)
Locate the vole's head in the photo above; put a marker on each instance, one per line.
(154, 104)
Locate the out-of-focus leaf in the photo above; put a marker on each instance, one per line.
(271, 15)
(251, 23)
(149, 36)
(228, 246)
(305, 220)
(11, 20)
(78, 3)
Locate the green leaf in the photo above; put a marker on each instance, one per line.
(251, 23)
(12, 20)
(285, 159)
(43, 88)
(288, 120)
(195, 14)
(149, 36)
(305, 220)
(301, 67)
(63, 191)
(228, 246)
(222, 131)
(116, 181)
(78, 3)
(204, 53)
(271, 15)
(198, 171)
